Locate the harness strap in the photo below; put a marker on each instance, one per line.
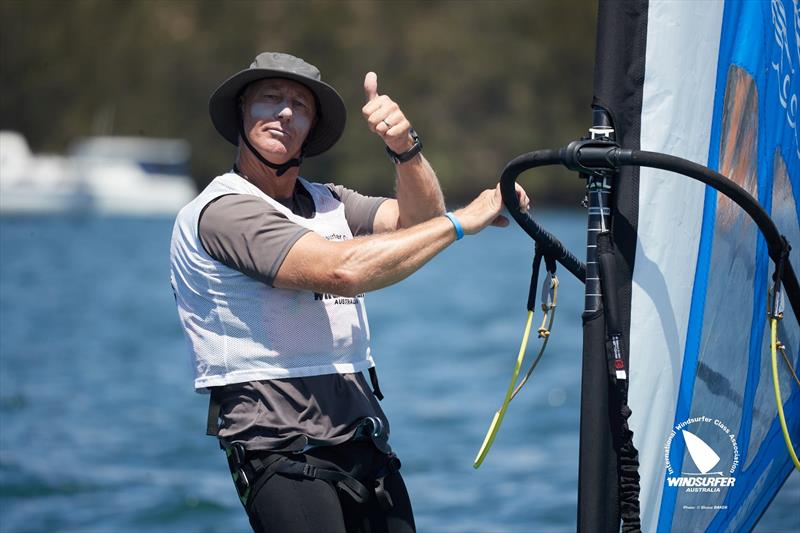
(250, 475)
(384, 498)
(376, 387)
(261, 474)
(353, 487)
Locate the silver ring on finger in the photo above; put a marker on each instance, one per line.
(387, 123)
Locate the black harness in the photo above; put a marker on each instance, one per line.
(252, 469)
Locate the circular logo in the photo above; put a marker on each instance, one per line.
(708, 454)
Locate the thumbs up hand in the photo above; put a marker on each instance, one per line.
(385, 117)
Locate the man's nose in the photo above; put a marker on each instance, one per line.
(284, 111)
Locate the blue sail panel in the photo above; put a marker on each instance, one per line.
(721, 88)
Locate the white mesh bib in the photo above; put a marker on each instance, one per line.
(240, 329)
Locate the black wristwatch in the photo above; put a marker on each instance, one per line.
(408, 154)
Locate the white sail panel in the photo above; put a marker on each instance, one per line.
(676, 119)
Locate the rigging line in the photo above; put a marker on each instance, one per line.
(498, 416)
(544, 333)
(778, 400)
(782, 349)
(549, 303)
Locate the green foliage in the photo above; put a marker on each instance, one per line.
(482, 81)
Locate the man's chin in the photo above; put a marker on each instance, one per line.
(275, 153)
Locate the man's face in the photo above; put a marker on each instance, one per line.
(278, 114)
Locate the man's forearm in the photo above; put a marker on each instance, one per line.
(368, 263)
(378, 261)
(419, 196)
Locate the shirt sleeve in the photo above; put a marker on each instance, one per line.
(247, 234)
(358, 209)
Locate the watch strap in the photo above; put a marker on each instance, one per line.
(408, 154)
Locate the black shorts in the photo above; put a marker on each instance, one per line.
(285, 503)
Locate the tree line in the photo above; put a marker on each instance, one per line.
(482, 81)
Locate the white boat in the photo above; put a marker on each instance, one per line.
(37, 183)
(105, 175)
(134, 175)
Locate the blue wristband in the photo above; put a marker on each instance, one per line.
(456, 223)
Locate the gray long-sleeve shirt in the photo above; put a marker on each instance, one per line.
(248, 234)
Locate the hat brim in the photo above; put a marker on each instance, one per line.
(331, 111)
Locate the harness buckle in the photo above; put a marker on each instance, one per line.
(310, 471)
(373, 429)
(242, 484)
(236, 461)
(238, 454)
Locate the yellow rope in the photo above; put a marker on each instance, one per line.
(786, 437)
(498, 416)
(544, 333)
(549, 308)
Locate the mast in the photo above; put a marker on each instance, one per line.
(612, 201)
(598, 506)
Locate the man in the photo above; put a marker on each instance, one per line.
(270, 282)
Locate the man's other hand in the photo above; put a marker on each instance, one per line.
(485, 210)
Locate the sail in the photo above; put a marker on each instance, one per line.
(717, 83)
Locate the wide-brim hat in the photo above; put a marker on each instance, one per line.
(331, 111)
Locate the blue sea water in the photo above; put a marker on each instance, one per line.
(100, 430)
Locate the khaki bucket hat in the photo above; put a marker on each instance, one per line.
(331, 111)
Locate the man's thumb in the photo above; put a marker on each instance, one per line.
(371, 86)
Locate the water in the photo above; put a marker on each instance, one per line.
(100, 430)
